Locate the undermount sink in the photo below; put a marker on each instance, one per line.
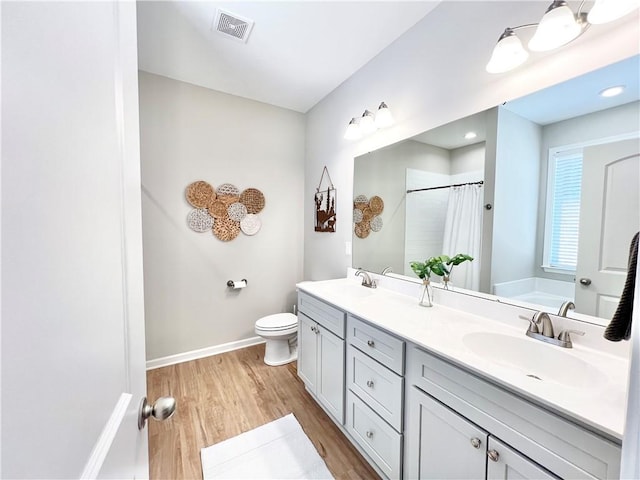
(535, 359)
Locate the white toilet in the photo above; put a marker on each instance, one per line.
(280, 332)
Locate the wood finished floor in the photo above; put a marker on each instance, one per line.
(222, 396)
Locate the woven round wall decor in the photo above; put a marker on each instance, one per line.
(200, 194)
(376, 223)
(226, 229)
(227, 189)
(376, 205)
(357, 215)
(361, 201)
(253, 199)
(362, 229)
(367, 214)
(250, 225)
(217, 209)
(228, 199)
(237, 211)
(199, 220)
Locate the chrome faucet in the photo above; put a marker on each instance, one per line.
(366, 279)
(565, 307)
(386, 270)
(541, 328)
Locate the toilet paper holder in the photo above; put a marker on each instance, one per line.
(232, 283)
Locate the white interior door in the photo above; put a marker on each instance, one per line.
(609, 217)
(72, 297)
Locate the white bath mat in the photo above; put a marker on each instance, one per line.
(277, 450)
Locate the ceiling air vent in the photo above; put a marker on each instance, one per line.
(232, 26)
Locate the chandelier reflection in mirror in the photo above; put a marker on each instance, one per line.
(558, 26)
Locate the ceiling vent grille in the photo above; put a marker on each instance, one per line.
(232, 26)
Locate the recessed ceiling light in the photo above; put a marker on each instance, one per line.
(612, 91)
(470, 135)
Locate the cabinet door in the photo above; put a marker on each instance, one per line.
(307, 351)
(330, 385)
(440, 443)
(507, 464)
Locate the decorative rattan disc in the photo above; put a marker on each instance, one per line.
(361, 201)
(253, 199)
(218, 209)
(228, 199)
(200, 194)
(237, 211)
(367, 214)
(226, 229)
(376, 223)
(250, 225)
(376, 205)
(199, 220)
(357, 215)
(228, 189)
(362, 229)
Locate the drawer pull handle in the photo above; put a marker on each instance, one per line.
(371, 343)
(476, 442)
(493, 455)
(370, 383)
(369, 434)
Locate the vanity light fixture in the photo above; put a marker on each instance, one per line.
(558, 26)
(612, 91)
(470, 135)
(369, 123)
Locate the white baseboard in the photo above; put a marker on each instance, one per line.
(203, 352)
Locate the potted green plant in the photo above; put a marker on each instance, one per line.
(451, 262)
(424, 270)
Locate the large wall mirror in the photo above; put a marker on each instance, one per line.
(542, 191)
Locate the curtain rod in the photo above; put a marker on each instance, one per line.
(445, 186)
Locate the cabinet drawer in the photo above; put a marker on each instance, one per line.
(326, 315)
(381, 442)
(563, 447)
(379, 345)
(377, 386)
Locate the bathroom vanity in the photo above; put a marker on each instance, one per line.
(442, 392)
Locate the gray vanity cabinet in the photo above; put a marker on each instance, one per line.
(375, 384)
(445, 445)
(321, 350)
(522, 437)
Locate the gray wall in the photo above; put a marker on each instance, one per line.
(515, 199)
(427, 85)
(191, 133)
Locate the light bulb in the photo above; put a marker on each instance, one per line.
(384, 118)
(367, 123)
(612, 91)
(353, 130)
(557, 27)
(507, 54)
(605, 11)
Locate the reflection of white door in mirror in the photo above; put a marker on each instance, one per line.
(609, 217)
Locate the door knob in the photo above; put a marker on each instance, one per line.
(161, 410)
(371, 343)
(476, 442)
(585, 281)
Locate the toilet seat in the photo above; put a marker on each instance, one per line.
(277, 322)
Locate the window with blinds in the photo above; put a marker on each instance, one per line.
(563, 211)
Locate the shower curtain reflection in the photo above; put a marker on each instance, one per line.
(463, 233)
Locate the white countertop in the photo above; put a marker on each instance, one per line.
(596, 397)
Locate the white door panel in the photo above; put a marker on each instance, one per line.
(72, 304)
(608, 220)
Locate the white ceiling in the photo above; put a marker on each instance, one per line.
(297, 53)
